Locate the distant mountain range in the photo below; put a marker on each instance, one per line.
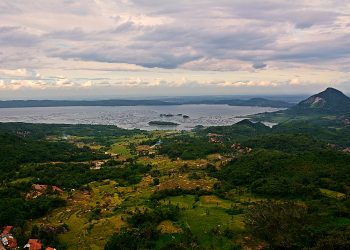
(65, 103)
(330, 101)
(260, 102)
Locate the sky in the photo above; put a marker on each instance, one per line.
(117, 48)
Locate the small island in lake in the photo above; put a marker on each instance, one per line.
(166, 115)
(162, 123)
(185, 116)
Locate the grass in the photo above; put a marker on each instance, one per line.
(201, 220)
(115, 201)
(182, 181)
(203, 216)
(168, 227)
(214, 201)
(22, 180)
(183, 201)
(332, 194)
(121, 150)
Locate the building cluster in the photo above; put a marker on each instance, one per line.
(9, 242)
(238, 148)
(97, 165)
(7, 239)
(35, 244)
(23, 133)
(346, 150)
(38, 190)
(216, 138)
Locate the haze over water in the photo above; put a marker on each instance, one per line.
(130, 117)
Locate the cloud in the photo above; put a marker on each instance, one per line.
(167, 35)
(259, 65)
(19, 73)
(133, 39)
(132, 82)
(13, 36)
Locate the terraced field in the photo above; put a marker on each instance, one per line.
(94, 213)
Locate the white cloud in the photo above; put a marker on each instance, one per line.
(18, 73)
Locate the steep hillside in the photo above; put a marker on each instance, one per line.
(330, 101)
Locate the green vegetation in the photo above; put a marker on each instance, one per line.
(245, 186)
(189, 147)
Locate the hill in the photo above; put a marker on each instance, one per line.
(329, 101)
(257, 101)
(329, 108)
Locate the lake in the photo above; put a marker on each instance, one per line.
(134, 116)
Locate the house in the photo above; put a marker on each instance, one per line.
(7, 230)
(214, 135)
(43, 188)
(97, 165)
(57, 189)
(346, 150)
(7, 241)
(158, 144)
(50, 248)
(23, 133)
(215, 138)
(242, 150)
(236, 146)
(33, 244)
(38, 190)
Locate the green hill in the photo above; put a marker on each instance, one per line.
(330, 101)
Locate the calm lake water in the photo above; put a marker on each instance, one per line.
(134, 116)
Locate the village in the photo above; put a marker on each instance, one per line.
(9, 242)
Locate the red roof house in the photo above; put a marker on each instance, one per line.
(57, 189)
(7, 230)
(7, 239)
(34, 244)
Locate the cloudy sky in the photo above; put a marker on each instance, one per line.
(113, 48)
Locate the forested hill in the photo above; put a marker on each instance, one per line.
(330, 101)
(327, 108)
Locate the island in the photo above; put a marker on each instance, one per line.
(166, 115)
(162, 123)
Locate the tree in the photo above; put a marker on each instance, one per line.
(283, 225)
